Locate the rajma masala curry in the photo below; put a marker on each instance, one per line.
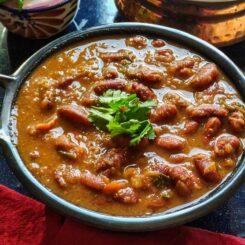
(130, 125)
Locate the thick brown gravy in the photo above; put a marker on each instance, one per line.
(199, 125)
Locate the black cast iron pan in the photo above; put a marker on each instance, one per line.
(166, 219)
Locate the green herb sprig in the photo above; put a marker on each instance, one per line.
(123, 113)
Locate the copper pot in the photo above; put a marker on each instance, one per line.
(220, 22)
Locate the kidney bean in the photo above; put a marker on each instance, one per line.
(63, 143)
(227, 145)
(112, 161)
(117, 56)
(187, 62)
(137, 42)
(101, 87)
(66, 82)
(164, 55)
(163, 112)
(190, 127)
(142, 91)
(170, 143)
(146, 74)
(205, 76)
(185, 181)
(75, 114)
(237, 122)
(212, 126)
(89, 101)
(207, 168)
(158, 43)
(206, 110)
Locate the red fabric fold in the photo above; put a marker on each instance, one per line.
(26, 221)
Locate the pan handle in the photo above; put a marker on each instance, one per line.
(5, 82)
(6, 79)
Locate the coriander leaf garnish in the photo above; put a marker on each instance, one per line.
(145, 130)
(130, 127)
(123, 113)
(112, 96)
(20, 4)
(100, 118)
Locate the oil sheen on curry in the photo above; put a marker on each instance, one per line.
(130, 125)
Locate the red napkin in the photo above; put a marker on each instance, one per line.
(24, 221)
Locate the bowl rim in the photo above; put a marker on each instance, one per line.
(101, 220)
(37, 9)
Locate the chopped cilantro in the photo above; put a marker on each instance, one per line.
(112, 96)
(100, 116)
(123, 113)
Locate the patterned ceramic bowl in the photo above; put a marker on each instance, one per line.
(39, 21)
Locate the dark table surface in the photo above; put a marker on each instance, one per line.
(229, 217)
